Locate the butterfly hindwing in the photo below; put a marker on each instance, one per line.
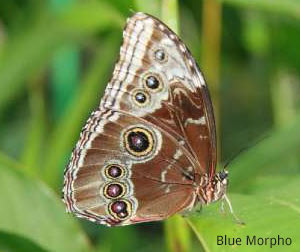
(104, 146)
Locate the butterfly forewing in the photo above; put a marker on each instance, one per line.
(152, 138)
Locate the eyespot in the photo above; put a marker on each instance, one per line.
(140, 97)
(120, 209)
(160, 55)
(114, 190)
(114, 171)
(153, 82)
(138, 141)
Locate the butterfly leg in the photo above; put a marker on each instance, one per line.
(237, 219)
(198, 208)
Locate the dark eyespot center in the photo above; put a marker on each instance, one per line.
(114, 190)
(114, 171)
(119, 208)
(140, 97)
(152, 82)
(138, 141)
(160, 55)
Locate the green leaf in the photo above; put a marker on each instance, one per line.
(12, 243)
(30, 210)
(280, 144)
(266, 213)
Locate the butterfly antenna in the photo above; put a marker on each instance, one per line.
(234, 156)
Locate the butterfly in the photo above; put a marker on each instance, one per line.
(149, 150)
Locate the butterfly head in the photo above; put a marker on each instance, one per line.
(220, 185)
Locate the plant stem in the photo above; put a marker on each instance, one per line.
(211, 41)
(178, 235)
(170, 15)
(32, 154)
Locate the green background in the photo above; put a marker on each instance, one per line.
(56, 57)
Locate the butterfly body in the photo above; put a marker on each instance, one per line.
(149, 150)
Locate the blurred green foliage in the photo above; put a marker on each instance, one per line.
(55, 60)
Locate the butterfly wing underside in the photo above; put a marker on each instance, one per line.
(140, 152)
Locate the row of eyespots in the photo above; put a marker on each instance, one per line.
(115, 190)
(152, 82)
